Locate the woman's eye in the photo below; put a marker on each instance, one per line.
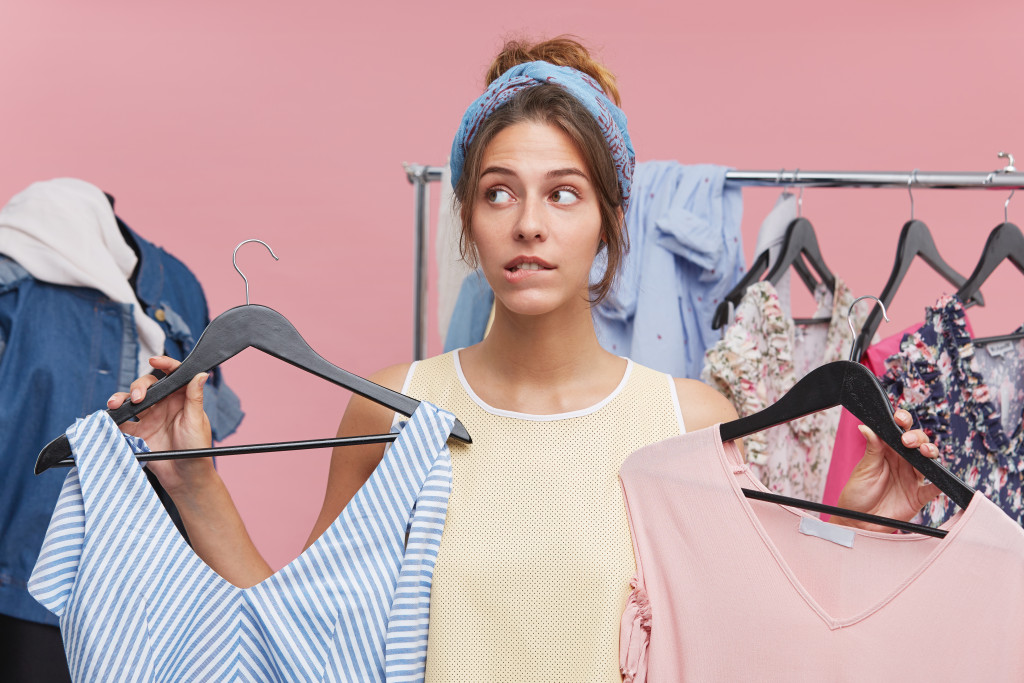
(496, 195)
(564, 196)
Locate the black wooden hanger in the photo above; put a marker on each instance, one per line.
(239, 328)
(915, 241)
(800, 243)
(854, 387)
(1005, 242)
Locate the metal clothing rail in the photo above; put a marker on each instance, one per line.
(1007, 178)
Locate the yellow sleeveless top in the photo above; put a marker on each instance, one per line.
(536, 558)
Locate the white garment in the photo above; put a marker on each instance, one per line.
(451, 269)
(770, 238)
(63, 231)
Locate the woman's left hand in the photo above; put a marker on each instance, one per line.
(885, 484)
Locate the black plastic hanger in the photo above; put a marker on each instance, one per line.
(801, 240)
(915, 240)
(854, 387)
(800, 243)
(1005, 242)
(239, 328)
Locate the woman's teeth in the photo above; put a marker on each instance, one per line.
(526, 266)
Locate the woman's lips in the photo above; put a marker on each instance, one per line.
(523, 267)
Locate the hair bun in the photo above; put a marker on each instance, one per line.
(560, 51)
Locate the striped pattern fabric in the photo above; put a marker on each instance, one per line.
(136, 604)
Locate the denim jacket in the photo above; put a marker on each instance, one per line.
(63, 352)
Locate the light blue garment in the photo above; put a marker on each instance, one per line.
(610, 119)
(136, 604)
(472, 309)
(686, 253)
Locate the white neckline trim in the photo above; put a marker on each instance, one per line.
(534, 417)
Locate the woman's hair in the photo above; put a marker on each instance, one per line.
(553, 105)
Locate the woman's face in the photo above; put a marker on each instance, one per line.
(536, 221)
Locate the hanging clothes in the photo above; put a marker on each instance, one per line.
(468, 324)
(452, 270)
(63, 231)
(733, 589)
(63, 351)
(850, 443)
(136, 604)
(759, 358)
(685, 254)
(770, 237)
(969, 400)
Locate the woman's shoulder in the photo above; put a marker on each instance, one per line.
(392, 377)
(701, 405)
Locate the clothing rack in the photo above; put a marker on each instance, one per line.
(1007, 178)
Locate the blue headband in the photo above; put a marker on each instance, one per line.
(610, 118)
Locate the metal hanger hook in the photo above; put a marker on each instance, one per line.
(1006, 206)
(910, 191)
(234, 262)
(849, 313)
(1009, 168)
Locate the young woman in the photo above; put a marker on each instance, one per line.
(535, 560)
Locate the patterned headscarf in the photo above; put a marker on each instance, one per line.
(585, 89)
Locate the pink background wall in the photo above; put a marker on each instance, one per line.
(213, 122)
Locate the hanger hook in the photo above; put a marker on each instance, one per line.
(234, 262)
(849, 312)
(1006, 206)
(910, 191)
(800, 195)
(1009, 168)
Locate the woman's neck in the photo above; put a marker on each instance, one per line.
(541, 364)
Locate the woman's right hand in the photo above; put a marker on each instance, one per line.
(177, 422)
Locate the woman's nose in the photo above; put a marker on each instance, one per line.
(531, 225)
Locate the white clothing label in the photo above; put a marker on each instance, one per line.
(840, 535)
(999, 349)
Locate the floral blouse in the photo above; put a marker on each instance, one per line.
(969, 400)
(759, 358)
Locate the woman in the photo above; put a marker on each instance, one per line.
(535, 559)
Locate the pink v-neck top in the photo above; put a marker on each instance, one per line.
(732, 589)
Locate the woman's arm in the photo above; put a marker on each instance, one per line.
(214, 526)
(351, 466)
(211, 519)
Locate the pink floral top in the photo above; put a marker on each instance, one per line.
(759, 358)
(969, 400)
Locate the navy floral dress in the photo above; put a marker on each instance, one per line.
(969, 400)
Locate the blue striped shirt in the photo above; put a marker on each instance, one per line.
(135, 603)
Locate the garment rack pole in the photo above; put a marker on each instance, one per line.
(420, 176)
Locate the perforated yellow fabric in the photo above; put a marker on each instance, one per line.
(536, 558)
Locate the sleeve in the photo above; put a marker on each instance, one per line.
(53, 577)
(635, 634)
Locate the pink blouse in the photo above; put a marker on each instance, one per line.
(731, 589)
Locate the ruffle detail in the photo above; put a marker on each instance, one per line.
(934, 377)
(635, 634)
(753, 366)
